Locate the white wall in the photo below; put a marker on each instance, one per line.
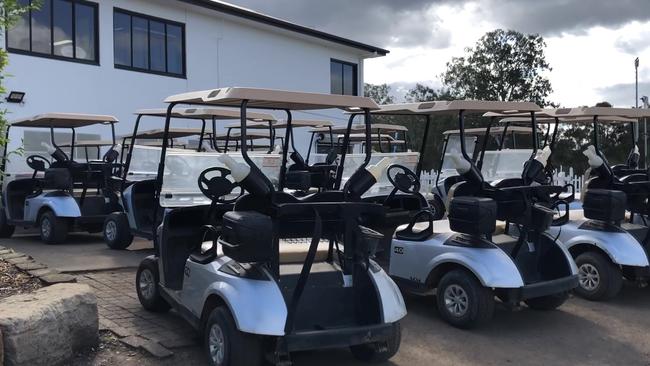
(221, 51)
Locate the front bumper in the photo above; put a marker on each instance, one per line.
(541, 289)
(339, 337)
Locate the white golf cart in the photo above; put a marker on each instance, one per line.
(60, 194)
(142, 163)
(277, 274)
(469, 259)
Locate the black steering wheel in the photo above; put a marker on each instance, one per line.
(38, 163)
(218, 186)
(403, 179)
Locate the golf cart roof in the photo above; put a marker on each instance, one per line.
(375, 128)
(480, 131)
(602, 112)
(273, 99)
(522, 119)
(250, 135)
(294, 123)
(453, 106)
(204, 113)
(64, 120)
(88, 143)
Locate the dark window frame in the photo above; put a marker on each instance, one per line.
(355, 71)
(166, 22)
(52, 56)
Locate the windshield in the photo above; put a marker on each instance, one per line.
(183, 167)
(453, 148)
(502, 164)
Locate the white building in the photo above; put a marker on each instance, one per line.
(116, 56)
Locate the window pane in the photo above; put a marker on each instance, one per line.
(174, 49)
(349, 81)
(140, 43)
(336, 77)
(157, 44)
(62, 13)
(41, 29)
(122, 39)
(85, 32)
(18, 36)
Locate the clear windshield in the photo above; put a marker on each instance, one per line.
(183, 167)
(502, 164)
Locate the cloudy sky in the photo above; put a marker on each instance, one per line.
(591, 43)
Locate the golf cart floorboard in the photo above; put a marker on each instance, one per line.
(338, 337)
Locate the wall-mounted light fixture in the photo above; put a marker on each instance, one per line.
(15, 97)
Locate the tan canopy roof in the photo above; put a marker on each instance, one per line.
(205, 113)
(480, 131)
(603, 112)
(273, 99)
(64, 120)
(375, 128)
(454, 106)
(159, 133)
(522, 120)
(88, 143)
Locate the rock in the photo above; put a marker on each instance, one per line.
(19, 260)
(156, 349)
(12, 255)
(2, 360)
(30, 266)
(42, 272)
(5, 251)
(48, 326)
(54, 278)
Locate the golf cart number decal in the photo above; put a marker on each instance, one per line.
(399, 250)
(187, 271)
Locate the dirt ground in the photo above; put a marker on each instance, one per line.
(13, 281)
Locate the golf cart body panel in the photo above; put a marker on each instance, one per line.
(392, 302)
(417, 260)
(621, 247)
(62, 204)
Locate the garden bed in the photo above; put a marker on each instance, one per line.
(14, 281)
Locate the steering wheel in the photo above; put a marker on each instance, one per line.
(403, 179)
(218, 186)
(38, 163)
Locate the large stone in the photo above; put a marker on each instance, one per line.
(2, 350)
(48, 326)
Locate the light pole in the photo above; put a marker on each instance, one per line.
(646, 105)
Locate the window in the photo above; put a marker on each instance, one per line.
(62, 29)
(343, 77)
(144, 43)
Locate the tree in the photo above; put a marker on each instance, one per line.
(380, 93)
(423, 93)
(504, 65)
(10, 12)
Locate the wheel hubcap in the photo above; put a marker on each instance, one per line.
(589, 277)
(147, 284)
(456, 300)
(111, 230)
(216, 343)
(46, 227)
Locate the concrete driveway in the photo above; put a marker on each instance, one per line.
(82, 252)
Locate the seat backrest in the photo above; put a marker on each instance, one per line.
(57, 178)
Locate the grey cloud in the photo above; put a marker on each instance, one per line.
(622, 95)
(383, 23)
(551, 17)
(634, 43)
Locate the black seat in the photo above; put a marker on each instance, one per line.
(410, 233)
(57, 178)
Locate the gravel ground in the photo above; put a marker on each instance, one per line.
(13, 281)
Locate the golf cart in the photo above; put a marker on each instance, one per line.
(277, 274)
(61, 194)
(140, 168)
(468, 259)
(609, 238)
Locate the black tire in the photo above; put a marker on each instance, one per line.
(6, 230)
(610, 278)
(116, 231)
(53, 229)
(379, 351)
(238, 348)
(437, 207)
(546, 303)
(479, 300)
(147, 287)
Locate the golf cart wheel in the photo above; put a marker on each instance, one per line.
(225, 345)
(6, 230)
(550, 302)
(437, 207)
(379, 351)
(462, 301)
(146, 285)
(117, 233)
(53, 229)
(599, 278)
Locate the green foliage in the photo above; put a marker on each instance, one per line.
(503, 65)
(380, 93)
